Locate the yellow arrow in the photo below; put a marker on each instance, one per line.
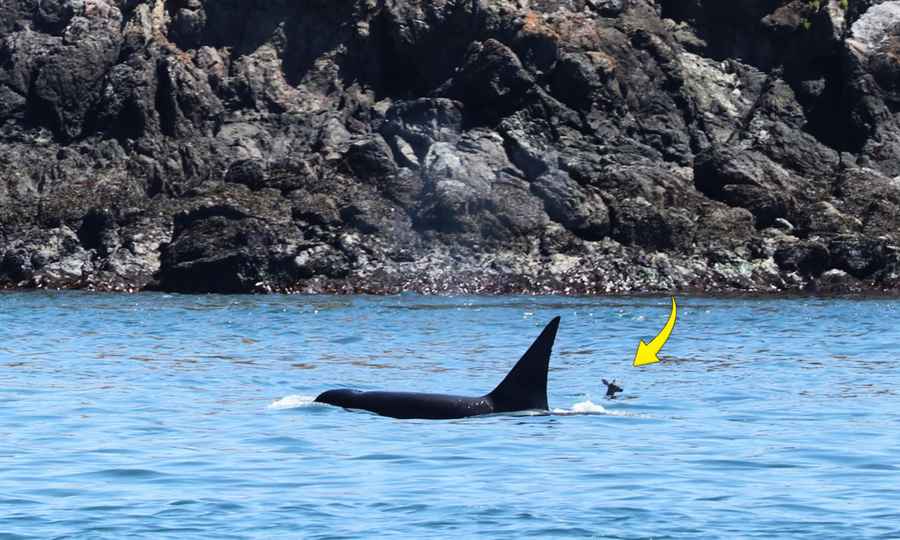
(646, 352)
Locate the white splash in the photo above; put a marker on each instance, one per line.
(583, 407)
(588, 407)
(294, 402)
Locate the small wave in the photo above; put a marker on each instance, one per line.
(294, 402)
(124, 474)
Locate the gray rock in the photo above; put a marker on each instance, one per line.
(471, 185)
(578, 209)
(836, 281)
(491, 80)
(875, 25)
(551, 146)
(858, 256)
(54, 15)
(805, 257)
(746, 179)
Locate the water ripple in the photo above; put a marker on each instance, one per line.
(180, 416)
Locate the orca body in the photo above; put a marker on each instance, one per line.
(523, 389)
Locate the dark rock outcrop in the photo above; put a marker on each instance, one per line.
(577, 146)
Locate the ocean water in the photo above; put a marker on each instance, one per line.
(167, 416)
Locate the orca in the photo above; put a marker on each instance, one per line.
(523, 389)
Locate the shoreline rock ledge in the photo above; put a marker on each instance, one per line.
(450, 146)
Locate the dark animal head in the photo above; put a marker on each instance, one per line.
(611, 388)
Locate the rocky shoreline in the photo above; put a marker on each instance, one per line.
(449, 146)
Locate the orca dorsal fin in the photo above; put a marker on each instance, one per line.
(525, 387)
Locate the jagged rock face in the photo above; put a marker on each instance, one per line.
(450, 146)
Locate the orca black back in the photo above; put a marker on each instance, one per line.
(524, 388)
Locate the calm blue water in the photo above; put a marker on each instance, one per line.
(162, 416)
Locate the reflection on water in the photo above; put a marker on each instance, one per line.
(192, 416)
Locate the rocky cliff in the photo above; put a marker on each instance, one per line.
(450, 145)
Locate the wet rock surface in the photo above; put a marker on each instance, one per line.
(449, 146)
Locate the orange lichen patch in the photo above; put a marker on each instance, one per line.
(534, 24)
(604, 62)
(578, 31)
(173, 50)
(158, 32)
